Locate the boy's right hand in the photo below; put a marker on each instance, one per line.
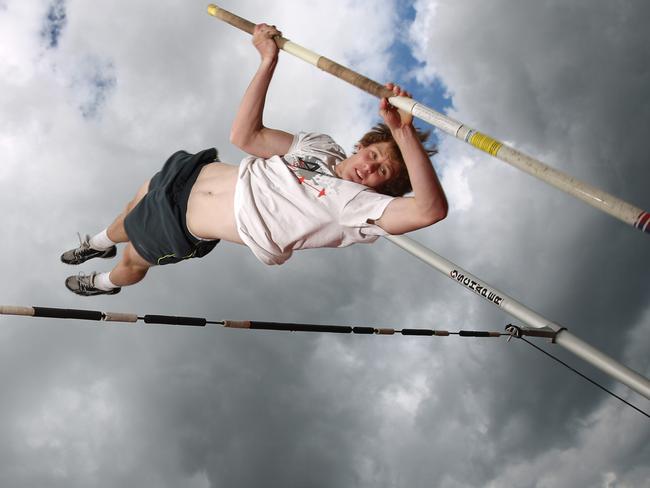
(263, 41)
(393, 117)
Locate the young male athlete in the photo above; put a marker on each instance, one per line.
(293, 192)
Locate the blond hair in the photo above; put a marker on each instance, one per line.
(400, 184)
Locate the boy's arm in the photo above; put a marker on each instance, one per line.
(248, 132)
(429, 204)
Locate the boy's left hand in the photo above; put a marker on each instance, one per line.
(264, 42)
(393, 117)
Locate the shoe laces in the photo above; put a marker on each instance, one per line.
(86, 282)
(84, 245)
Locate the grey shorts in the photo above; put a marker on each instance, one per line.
(157, 225)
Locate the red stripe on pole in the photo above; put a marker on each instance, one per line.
(642, 222)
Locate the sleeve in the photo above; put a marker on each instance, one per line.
(366, 205)
(295, 143)
(314, 143)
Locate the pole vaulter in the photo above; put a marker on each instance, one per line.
(589, 194)
(595, 197)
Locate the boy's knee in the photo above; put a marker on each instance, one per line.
(131, 259)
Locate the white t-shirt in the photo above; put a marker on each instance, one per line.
(296, 201)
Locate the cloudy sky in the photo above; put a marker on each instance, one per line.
(95, 97)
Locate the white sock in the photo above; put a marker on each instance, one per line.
(103, 282)
(101, 241)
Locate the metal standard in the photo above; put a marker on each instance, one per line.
(563, 337)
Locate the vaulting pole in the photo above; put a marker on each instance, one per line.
(563, 337)
(595, 197)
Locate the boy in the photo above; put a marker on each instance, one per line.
(293, 192)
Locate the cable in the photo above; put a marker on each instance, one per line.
(586, 377)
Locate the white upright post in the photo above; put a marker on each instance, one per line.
(564, 338)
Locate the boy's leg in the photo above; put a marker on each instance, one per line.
(115, 231)
(103, 244)
(131, 269)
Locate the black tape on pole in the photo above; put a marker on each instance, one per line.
(474, 333)
(363, 330)
(172, 320)
(418, 332)
(67, 313)
(336, 329)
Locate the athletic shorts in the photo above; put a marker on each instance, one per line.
(157, 225)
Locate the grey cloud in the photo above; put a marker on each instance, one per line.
(562, 83)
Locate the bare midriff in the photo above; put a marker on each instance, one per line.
(210, 208)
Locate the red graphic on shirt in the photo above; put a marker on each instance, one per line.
(303, 181)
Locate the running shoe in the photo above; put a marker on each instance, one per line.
(84, 285)
(84, 252)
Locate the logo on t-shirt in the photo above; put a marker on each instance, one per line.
(309, 171)
(309, 163)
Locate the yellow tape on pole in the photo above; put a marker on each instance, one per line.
(485, 143)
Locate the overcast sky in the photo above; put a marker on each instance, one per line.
(94, 98)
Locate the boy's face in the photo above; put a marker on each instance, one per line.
(370, 166)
